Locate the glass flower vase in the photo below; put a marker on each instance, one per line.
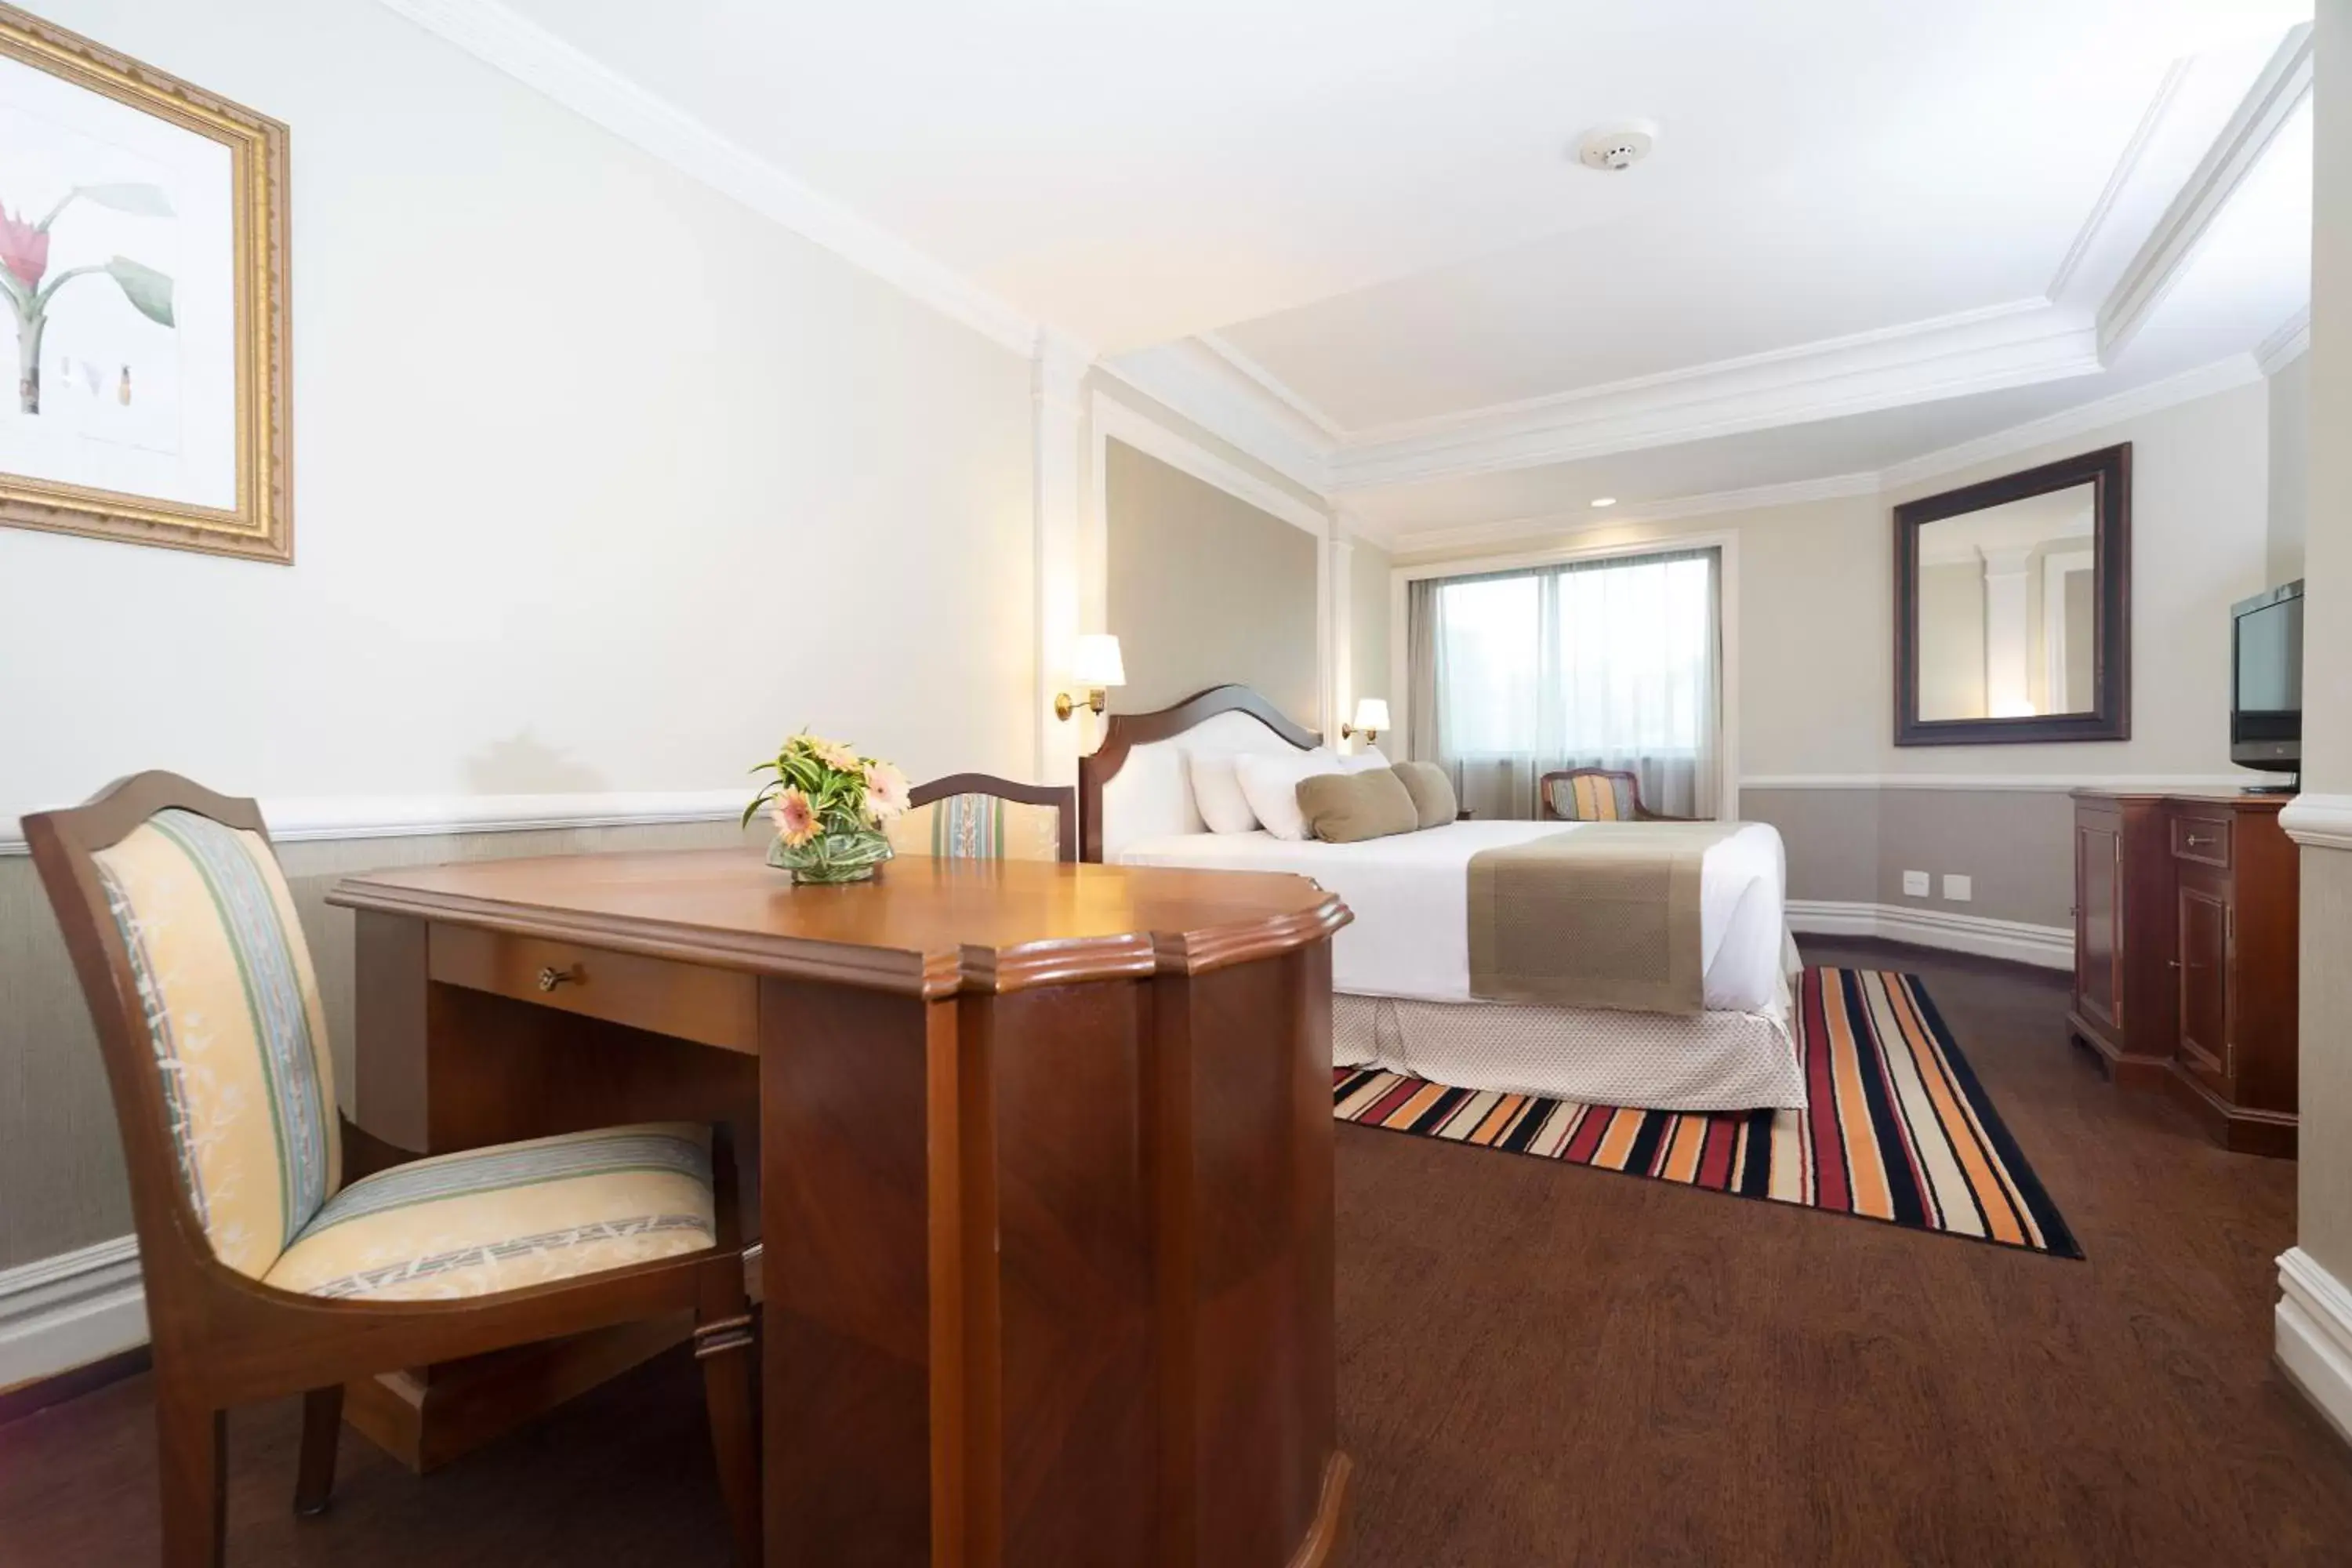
(848, 855)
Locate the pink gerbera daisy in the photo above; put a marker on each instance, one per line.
(885, 791)
(795, 817)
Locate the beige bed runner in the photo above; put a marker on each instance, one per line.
(1605, 915)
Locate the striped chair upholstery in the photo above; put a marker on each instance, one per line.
(231, 1003)
(976, 817)
(509, 1215)
(1592, 794)
(232, 1009)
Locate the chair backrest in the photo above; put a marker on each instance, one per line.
(977, 816)
(184, 935)
(1592, 794)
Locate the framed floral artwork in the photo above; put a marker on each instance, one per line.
(143, 260)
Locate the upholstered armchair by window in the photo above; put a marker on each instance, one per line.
(1595, 795)
(285, 1250)
(976, 817)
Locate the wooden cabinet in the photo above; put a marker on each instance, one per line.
(2185, 931)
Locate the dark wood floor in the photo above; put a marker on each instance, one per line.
(1547, 1364)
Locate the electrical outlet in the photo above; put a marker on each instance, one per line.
(1914, 884)
(1957, 890)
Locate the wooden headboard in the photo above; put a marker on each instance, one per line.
(1136, 785)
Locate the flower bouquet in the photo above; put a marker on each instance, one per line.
(829, 806)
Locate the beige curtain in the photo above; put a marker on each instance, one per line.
(1425, 732)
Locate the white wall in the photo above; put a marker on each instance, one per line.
(2290, 421)
(2201, 523)
(602, 482)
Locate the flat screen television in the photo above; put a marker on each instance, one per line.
(2266, 680)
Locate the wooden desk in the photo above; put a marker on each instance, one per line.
(1046, 1169)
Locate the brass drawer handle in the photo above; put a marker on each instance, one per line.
(552, 977)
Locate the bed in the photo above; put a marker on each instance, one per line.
(1401, 972)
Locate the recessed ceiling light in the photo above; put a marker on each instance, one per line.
(1604, 500)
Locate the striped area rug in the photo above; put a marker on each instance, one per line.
(1898, 1129)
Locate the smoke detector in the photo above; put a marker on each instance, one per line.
(1613, 149)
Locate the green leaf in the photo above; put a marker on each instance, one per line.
(147, 290)
(145, 200)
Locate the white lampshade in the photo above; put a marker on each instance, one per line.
(1095, 661)
(1372, 714)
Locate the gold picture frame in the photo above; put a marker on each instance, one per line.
(260, 524)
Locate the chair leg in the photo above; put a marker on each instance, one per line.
(322, 1427)
(731, 1388)
(192, 1444)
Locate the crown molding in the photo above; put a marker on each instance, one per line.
(1115, 421)
(2007, 345)
(1273, 387)
(539, 60)
(1215, 393)
(2238, 370)
(2165, 255)
(2278, 350)
(1058, 371)
(2126, 167)
(1555, 525)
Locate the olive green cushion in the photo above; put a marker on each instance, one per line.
(1345, 808)
(1434, 800)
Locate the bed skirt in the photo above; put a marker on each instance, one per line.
(1595, 1056)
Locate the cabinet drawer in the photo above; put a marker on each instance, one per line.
(2204, 839)
(712, 1007)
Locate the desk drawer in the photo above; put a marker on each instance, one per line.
(2204, 839)
(712, 1007)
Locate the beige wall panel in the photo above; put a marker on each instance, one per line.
(2014, 844)
(1830, 835)
(1204, 588)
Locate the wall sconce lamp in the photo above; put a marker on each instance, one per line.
(1371, 718)
(1093, 666)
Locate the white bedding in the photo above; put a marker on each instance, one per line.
(1409, 895)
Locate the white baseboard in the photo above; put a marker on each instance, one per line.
(2048, 947)
(58, 1313)
(2315, 1336)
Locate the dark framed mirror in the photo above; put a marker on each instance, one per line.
(2012, 608)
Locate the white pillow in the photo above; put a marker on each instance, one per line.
(1363, 761)
(1270, 781)
(1218, 793)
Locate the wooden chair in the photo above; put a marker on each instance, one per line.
(285, 1250)
(1595, 795)
(977, 816)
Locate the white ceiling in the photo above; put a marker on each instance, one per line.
(1354, 234)
(1916, 201)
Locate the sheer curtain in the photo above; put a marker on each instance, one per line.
(1610, 663)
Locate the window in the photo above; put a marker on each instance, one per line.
(1604, 663)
